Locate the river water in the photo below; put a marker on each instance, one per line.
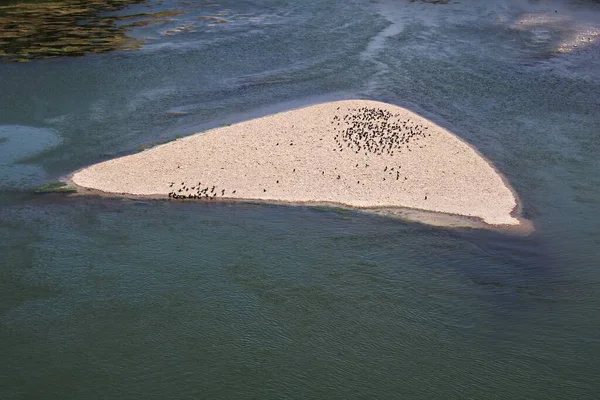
(152, 300)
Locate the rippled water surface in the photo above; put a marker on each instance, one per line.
(133, 299)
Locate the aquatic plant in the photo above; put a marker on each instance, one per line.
(55, 187)
(45, 29)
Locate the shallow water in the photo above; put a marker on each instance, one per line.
(137, 299)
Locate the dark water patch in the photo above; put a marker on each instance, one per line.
(146, 288)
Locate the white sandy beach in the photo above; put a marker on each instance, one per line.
(357, 153)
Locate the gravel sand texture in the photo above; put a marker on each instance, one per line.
(357, 153)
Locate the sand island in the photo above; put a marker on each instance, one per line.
(356, 153)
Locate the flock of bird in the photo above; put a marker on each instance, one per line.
(195, 192)
(370, 130)
(376, 131)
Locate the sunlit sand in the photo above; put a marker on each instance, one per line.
(358, 153)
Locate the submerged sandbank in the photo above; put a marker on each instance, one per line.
(358, 153)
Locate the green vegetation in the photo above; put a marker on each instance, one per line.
(55, 187)
(44, 29)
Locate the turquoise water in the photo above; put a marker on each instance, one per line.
(135, 299)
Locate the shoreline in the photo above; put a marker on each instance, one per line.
(392, 157)
(427, 217)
